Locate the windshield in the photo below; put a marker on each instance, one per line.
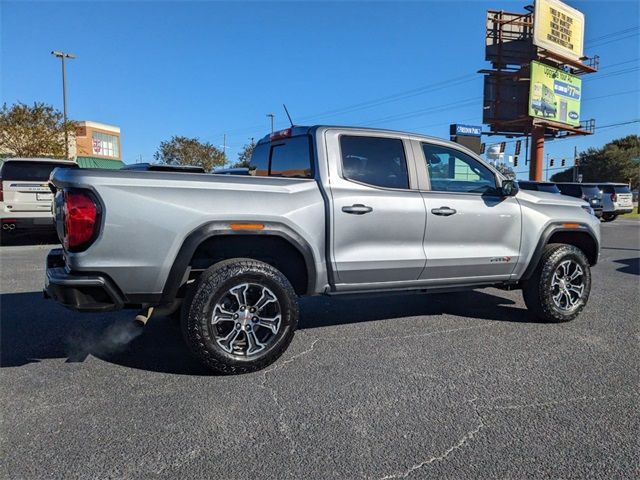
(30, 171)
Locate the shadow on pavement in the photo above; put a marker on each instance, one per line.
(46, 237)
(631, 265)
(33, 329)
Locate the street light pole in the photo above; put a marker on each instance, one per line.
(62, 56)
(272, 116)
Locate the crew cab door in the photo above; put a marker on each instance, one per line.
(472, 232)
(377, 212)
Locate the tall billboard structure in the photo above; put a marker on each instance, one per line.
(534, 87)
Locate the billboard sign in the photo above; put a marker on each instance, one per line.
(558, 28)
(554, 95)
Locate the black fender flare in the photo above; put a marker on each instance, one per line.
(220, 228)
(544, 240)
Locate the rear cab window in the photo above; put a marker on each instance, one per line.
(548, 188)
(30, 171)
(288, 157)
(375, 161)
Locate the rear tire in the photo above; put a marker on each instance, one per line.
(242, 316)
(559, 288)
(609, 217)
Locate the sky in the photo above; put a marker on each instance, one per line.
(206, 69)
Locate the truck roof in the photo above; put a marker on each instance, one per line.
(305, 130)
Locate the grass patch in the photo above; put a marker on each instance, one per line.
(633, 214)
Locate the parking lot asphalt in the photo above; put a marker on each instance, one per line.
(464, 385)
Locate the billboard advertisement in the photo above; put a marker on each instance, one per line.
(558, 28)
(554, 95)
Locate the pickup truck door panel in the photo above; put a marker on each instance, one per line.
(376, 233)
(469, 236)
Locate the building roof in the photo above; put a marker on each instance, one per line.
(93, 162)
(101, 126)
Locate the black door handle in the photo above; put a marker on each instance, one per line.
(443, 211)
(357, 209)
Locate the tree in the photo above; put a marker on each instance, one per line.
(506, 170)
(190, 151)
(617, 161)
(33, 131)
(244, 157)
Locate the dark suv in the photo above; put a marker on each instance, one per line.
(538, 186)
(589, 193)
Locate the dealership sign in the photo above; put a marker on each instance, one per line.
(554, 95)
(558, 28)
(465, 130)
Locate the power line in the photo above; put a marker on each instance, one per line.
(612, 34)
(396, 97)
(613, 40)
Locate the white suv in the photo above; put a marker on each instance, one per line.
(616, 200)
(25, 197)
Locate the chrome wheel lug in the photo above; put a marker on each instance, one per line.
(254, 319)
(238, 326)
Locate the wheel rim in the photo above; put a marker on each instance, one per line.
(246, 320)
(567, 285)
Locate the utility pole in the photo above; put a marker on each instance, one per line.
(62, 56)
(272, 116)
(575, 164)
(224, 145)
(546, 169)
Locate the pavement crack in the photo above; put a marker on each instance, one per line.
(552, 403)
(283, 426)
(464, 440)
(404, 337)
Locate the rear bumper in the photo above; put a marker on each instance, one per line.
(79, 291)
(26, 223)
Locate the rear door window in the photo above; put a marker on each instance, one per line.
(376, 161)
(30, 171)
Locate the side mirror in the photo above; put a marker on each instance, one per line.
(509, 188)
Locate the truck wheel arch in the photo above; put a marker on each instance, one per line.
(216, 231)
(579, 236)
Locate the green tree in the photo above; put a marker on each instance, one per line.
(244, 157)
(617, 161)
(506, 170)
(190, 151)
(33, 130)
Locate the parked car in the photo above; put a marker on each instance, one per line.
(25, 197)
(158, 167)
(617, 199)
(588, 192)
(326, 211)
(548, 187)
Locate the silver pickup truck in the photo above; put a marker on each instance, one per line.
(323, 211)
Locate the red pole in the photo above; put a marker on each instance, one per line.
(537, 153)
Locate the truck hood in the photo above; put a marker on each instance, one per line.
(545, 198)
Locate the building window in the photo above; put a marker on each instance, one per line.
(105, 145)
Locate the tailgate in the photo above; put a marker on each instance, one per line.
(625, 200)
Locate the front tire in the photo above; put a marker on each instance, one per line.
(559, 288)
(609, 217)
(242, 316)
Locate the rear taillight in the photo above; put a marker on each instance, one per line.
(80, 220)
(614, 197)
